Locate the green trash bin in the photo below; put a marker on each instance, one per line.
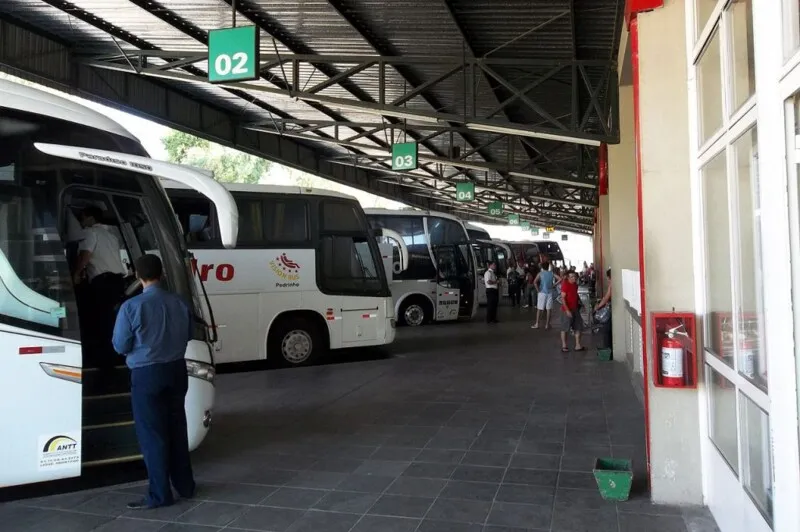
(614, 477)
(604, 354)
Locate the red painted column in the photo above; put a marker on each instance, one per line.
(633, 38)
(602, 158)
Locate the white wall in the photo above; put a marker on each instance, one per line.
(623, 252)
(676, 475)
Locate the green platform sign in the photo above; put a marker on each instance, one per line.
(465, 191)
(404, 156)
(233, 54)
(495, 208)
(513, 219)
(525, 225)
(535, 231)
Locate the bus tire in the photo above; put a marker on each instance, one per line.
(416, 311)
(298, 340)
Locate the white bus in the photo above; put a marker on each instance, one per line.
(56, 157)
(440, 281)
(307, 275)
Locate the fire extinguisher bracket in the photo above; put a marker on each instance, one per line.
(673, 351)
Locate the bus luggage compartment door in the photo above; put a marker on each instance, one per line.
(447, 303)
(360, 324)
(41, 389)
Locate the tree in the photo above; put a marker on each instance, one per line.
(227, 164)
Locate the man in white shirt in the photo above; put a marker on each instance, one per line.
(99, 259)
(492, 297)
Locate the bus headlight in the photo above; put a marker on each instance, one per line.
(200, 370)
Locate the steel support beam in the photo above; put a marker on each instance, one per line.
(123, 85)
(554, 129)
(174, 108)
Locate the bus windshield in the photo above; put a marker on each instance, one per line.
(40, 198)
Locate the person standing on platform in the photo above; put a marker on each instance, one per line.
(492, 296)
(545, 285)
(152, 331)
(571, 316)
(512, 276)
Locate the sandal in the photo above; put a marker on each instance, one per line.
(565, 349)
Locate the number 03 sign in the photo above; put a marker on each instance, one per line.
(233, 54)
(404, 156)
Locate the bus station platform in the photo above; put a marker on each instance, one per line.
(457, 428)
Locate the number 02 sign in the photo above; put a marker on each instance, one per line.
(233, 54)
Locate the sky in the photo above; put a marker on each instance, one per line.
(577, 249)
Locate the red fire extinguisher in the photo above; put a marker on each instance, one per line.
(748, 356)
(672, 359)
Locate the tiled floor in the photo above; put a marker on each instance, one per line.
(466, 428)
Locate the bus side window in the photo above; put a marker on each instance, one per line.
(286, 220)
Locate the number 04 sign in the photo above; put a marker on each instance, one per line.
(233, 54)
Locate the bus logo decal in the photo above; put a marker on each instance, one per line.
(285, 268)
(59, 451)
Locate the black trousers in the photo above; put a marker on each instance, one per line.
(513, 293)
(105, 293)
(158, 392)
(491, 304)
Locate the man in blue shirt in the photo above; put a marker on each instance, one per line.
(151, 331)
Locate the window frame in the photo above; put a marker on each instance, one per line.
(366, 233)
(264, 198)
(736, 123)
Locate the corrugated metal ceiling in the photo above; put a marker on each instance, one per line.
(526, 29)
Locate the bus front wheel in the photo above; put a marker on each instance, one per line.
(416, 311)
(297, 340)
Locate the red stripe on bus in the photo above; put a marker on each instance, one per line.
(31, 350)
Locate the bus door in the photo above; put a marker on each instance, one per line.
(482, 254)
(394, 252)
(448, 293)
(138, 235)
(467, 280)
(502, 269)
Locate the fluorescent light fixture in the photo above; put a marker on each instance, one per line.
(553, 180)
(528, 133)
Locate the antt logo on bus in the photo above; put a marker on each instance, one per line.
(222, 272)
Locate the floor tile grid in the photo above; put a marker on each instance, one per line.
(494, 499)
(610, 445)
(139, 516)
(497, 393)
(384, 492)
(433, 502)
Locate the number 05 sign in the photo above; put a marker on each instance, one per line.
(233, 54)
